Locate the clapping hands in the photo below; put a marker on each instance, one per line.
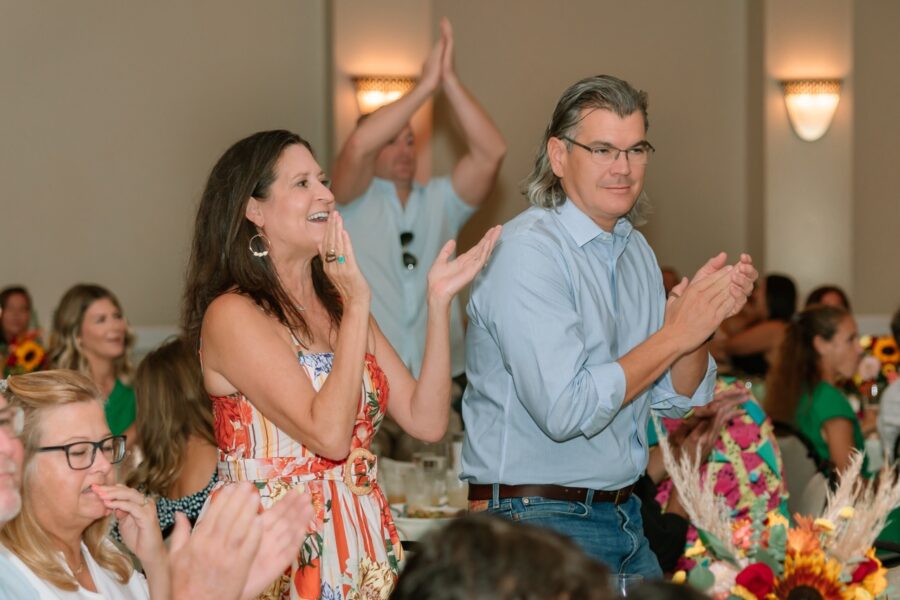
(438, 67)
(447, 276)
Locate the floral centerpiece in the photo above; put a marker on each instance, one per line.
(24, 355)
(878, 367)
(762, 557)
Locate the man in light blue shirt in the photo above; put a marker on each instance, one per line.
(398, 226)
(571, 340)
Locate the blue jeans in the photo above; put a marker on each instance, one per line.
(612, 534)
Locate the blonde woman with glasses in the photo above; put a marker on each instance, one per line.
(58, 540)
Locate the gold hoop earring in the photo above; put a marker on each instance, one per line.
(264, 251)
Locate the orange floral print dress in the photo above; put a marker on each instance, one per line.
(354, 551)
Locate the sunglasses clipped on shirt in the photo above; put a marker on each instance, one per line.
(409, 259)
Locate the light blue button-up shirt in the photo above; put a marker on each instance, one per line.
(434, 213)
(559, 303)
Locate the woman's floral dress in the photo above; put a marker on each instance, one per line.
(354, 551)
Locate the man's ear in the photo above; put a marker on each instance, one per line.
(557, 153)
(253, 212)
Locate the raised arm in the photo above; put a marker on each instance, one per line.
(422, 408)
(355, 164)
(474, 174)
(246, 350)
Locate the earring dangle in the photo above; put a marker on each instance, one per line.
(264, 251)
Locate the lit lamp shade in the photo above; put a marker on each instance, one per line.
(373, 92)
(810, 105)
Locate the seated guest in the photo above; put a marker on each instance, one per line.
(741, 456)
(753, 349)
(175, 428)
(829, 295)
(820, 348)
(485, 557)
(21, 348)
(889, 412)
(90, 335)
(59, 549)
(58, 540)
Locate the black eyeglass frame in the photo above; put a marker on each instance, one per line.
(116, 439)
(409, 259)
(645, 145)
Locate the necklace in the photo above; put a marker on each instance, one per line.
(82, 564)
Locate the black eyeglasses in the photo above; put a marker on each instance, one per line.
(606, 155)
(81, 455)
(409, 259)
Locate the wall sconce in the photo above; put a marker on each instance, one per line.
(810, 105)
(373, 92)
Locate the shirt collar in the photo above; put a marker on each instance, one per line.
(583, 229)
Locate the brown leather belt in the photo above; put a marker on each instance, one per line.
(479, 491)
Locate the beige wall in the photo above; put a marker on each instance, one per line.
(809, 199)
(112, 114)
(876, 176)
(387, 37)
(692, 58)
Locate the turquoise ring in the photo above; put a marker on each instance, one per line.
(341, 259)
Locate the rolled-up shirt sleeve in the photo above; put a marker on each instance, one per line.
(537, 324)
(669, 403)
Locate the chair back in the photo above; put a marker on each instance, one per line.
(801, 468)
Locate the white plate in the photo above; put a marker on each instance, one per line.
(413, 529)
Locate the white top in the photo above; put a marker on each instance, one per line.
(108, 586)
(434, 214)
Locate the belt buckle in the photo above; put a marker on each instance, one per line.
(360, 471)
(616, 499)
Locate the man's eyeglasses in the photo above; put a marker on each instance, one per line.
(607, 155)
(81, 455)
(409, 259)
(12, 420)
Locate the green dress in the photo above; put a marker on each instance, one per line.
(827, 402)
(120, 408)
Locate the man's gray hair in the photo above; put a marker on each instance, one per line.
(542, 187)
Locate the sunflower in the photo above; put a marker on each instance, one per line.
(885, 350)
(29, 355)
(810, 577)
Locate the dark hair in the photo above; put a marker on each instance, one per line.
(665, 590)
(220, 258)
(483, 557)
(895, 326)
(5, 295)
(797, 370)
(816, 296)
(781, 297)
(172, 406)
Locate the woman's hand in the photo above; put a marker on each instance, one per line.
(138, 524)
(340, 263)
(447, 276)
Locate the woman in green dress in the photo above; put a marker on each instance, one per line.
(90, 335)
(820, 348)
